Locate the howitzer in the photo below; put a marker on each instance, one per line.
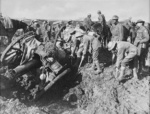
(22, 69)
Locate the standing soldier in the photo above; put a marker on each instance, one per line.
(117, 29)
(88, 22)
(38, 32)
(95, 49)
(141, 41)
(126, 52)
(101, 19)
(132, 33)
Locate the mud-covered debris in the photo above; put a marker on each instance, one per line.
(104, 95)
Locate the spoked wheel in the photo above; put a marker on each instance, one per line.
(40, 92)
(14, 52)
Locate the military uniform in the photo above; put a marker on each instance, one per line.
(117, 32)
(84, 45)
(87, 23)
(95, 45)
(126, 53)
(132, 34)
(141, 41)
(101, 19)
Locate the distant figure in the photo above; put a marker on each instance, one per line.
(132, 33)
(88, 22)
(38, 32)
(101, 18)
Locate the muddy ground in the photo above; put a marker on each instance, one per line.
(87, 94)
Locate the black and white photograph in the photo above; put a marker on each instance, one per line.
(74, 56)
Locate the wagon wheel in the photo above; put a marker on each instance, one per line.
(39, 93)
(14, 48)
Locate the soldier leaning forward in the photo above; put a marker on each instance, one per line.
(83, 46)
(141, 41)
(126, 52)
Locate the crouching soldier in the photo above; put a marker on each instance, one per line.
(126, 52)
(95, 49)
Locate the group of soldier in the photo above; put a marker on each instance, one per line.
(78, 41)
(131, 47)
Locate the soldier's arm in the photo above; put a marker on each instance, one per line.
(146, 37)
(120, 56)
(121, 33)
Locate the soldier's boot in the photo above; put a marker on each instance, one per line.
(135, 76)
(99, 70)
(121, 76)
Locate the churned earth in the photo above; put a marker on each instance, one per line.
(87, 94)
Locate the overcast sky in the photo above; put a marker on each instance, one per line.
(76, 9)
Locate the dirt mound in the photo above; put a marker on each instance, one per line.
(102, 94)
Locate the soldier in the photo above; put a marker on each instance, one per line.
(126, 52)
(141, 41)
(75, 41)
(95, 49)
(117, 29)
(101, 19)
(38, 32)
(83, 47)
(88, 22)
(132, 33)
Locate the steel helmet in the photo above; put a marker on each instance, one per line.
(140, 21)
(115, 17)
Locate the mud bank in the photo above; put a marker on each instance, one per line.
(96, 94)
(88, 94)
(102, 94)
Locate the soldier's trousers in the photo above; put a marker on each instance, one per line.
(95, 54)
(142, 57)
(132, 56)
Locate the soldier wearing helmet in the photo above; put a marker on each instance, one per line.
(141, 41)
(126, 52)
(84, 45)
(101, 18)
(117, 29)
